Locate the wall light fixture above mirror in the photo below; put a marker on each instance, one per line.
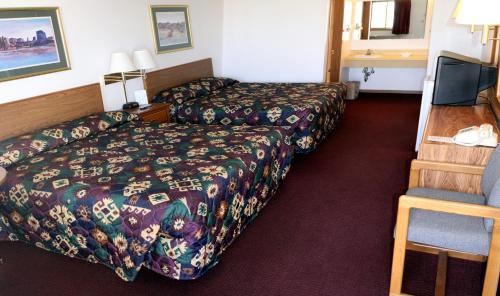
(385, 19)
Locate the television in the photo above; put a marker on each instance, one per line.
(459, 79)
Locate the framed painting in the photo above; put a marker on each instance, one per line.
(31, 42)
(171, 28)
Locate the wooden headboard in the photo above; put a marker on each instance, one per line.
(21, 117)
(159, 80)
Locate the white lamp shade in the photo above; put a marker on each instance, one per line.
(143, 60)
(478, 12)
(121, 63)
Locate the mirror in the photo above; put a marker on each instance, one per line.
(385, 19)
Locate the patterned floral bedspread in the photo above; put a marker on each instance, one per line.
(113, 190)
(312, 110)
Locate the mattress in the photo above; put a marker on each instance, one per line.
(128, 194)
(312, 110)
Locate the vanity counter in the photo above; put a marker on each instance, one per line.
(386, 59)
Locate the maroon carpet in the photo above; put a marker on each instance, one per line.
(327, 232)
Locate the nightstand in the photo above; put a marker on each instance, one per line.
(155, 113)
(3, 175)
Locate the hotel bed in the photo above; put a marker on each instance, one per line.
(111, 189)
(312, 110)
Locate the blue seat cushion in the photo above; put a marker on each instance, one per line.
(449, 231)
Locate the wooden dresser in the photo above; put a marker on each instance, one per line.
(446, 121)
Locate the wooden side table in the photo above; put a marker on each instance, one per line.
(446, 121)
(3, 175)
(156, 113)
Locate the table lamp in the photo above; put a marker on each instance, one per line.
(143, 61)
(479, 12)
(121, 63)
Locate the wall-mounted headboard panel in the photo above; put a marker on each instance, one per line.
(159, 80)
(21, 117)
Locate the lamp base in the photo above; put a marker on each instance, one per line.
(131, 105)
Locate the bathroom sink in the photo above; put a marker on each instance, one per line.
(366, 56)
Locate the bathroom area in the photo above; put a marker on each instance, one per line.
(385, 44)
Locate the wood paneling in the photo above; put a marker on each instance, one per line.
(21, 117)
(446, 121)
(159, 80)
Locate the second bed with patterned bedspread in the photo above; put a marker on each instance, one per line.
(113, 190)
(312, 110)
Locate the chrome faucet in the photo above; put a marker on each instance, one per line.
(367, 73)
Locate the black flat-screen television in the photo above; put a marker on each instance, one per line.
(459, 79)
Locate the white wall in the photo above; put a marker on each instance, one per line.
(95, 28)
(450, 36)
(279, 40)
(391, 79)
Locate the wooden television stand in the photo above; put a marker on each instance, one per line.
(446, 121)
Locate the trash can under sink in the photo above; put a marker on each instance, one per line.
(352, 89)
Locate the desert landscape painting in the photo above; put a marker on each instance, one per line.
(171, 28)
(27, 42)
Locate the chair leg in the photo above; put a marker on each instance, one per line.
(493, 265)
(440, 289)
(398, 260)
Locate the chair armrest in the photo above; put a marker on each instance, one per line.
(418, 165)
(452, 207)
(447, 167)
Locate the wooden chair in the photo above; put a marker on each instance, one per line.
(450, 224)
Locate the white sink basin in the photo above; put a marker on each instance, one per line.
(365, 56)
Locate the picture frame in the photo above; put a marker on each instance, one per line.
(32, 42)
(171, 26)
